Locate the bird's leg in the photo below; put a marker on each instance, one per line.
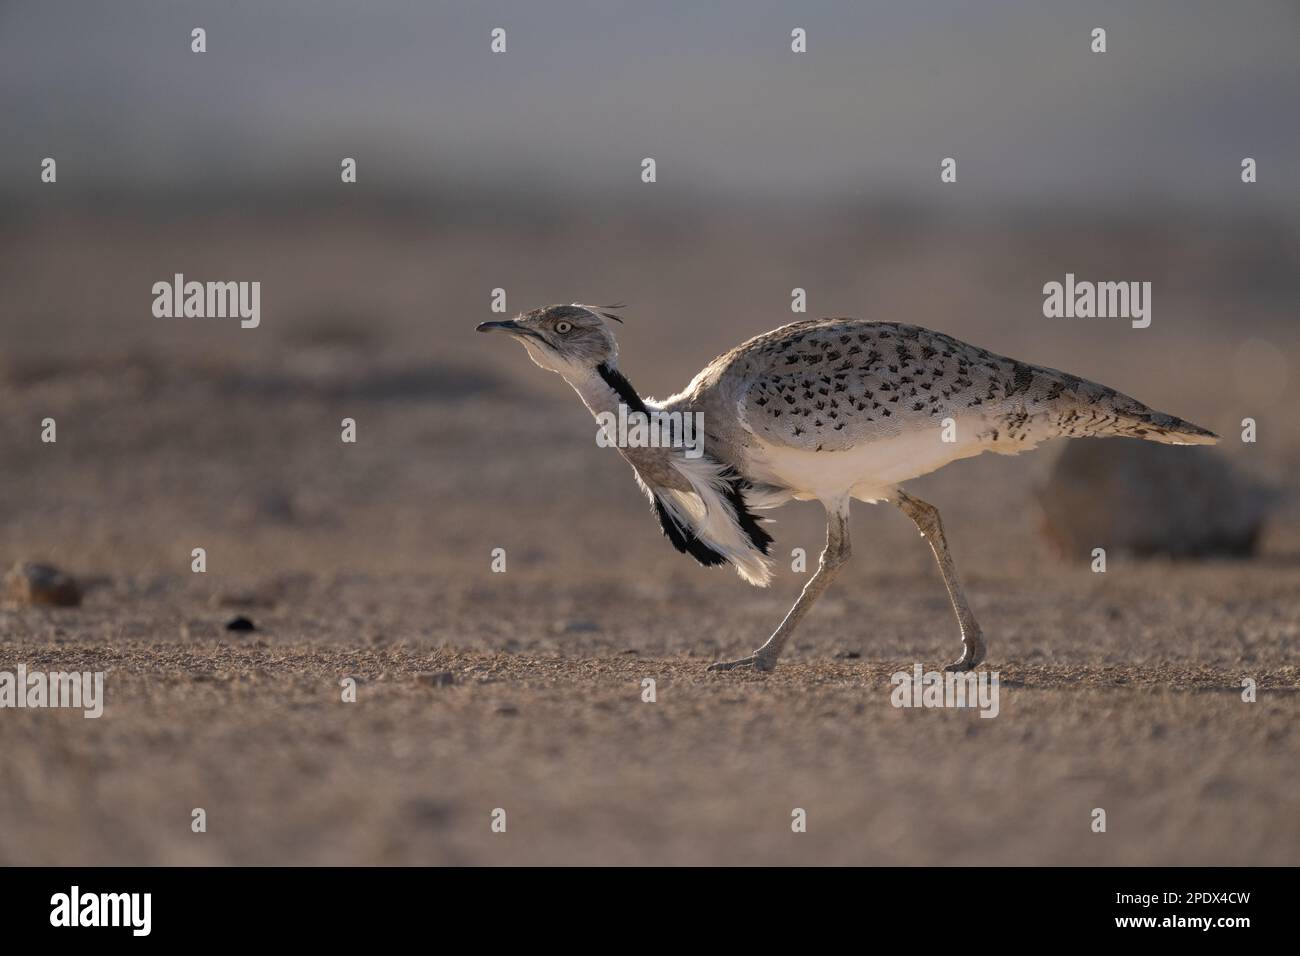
(833, 558)
(926, 518)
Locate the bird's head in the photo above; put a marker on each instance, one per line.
(570, 339)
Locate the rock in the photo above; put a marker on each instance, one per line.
(436, 679)
(28, 584)
(577, 626)
(240, 623)
(1142, 498)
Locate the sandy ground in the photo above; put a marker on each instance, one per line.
(523, 690)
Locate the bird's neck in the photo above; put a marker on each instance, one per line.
(605, 388)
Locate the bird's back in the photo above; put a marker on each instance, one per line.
(834, 385)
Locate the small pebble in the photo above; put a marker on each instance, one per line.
(437, 679)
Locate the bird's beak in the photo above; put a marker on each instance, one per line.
(509, 325)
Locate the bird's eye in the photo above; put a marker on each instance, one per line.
(564, 328)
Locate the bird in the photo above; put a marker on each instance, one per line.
(833, 410)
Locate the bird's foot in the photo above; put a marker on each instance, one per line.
(972, 652)
(757, 662)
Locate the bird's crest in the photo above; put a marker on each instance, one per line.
(600, 310)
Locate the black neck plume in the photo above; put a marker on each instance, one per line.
(622, 387)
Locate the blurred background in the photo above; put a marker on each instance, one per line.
(522, 171)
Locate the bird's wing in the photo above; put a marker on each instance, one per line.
(833, 384)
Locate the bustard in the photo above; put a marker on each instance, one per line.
(832, 410)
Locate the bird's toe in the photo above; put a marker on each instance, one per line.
(969, 660)
(752, 662)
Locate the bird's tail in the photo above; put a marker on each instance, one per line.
(1121, 416)
(712, 522)
(1078, 408)
(1166, 429)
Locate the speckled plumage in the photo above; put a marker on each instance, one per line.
(832, 384)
